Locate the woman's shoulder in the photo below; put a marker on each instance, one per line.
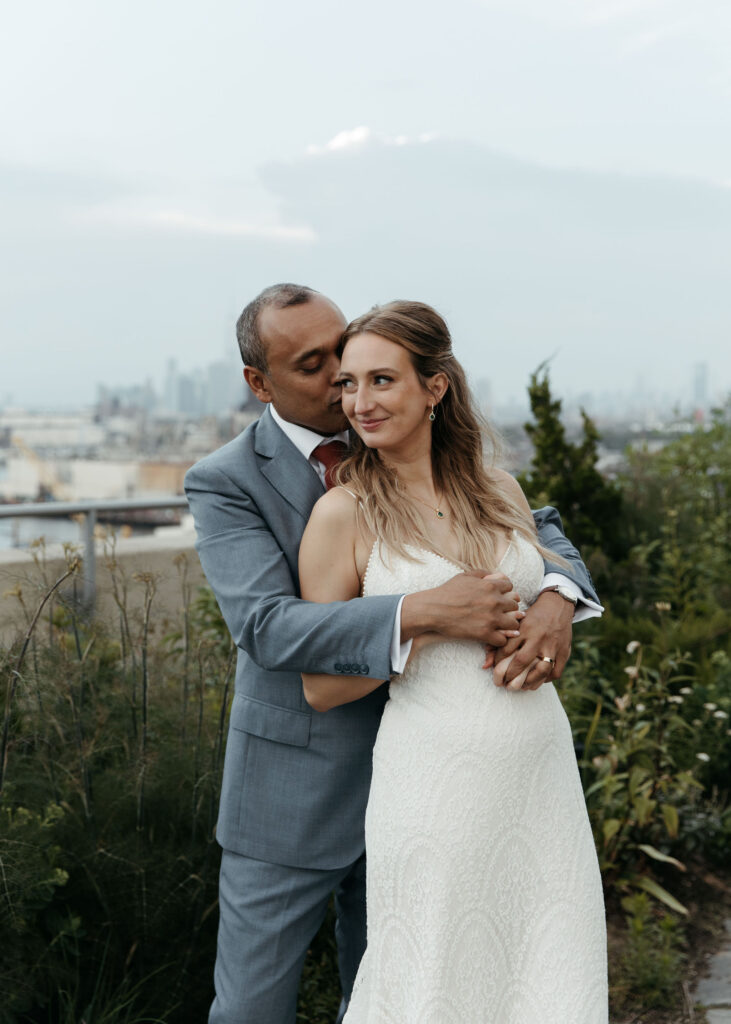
(504, 480)
(509, 486)
(337, 507)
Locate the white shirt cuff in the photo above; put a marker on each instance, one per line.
(585, 607)
(399, 651)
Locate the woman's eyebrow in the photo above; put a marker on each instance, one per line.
(372, 373)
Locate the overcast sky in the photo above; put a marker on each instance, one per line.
(555, 177)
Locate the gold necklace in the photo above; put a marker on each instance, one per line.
(438, 511)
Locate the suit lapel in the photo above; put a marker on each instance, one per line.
(285, 468)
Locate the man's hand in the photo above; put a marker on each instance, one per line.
(545, 632)
(472, 606)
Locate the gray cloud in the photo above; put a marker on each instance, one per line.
(623, 275)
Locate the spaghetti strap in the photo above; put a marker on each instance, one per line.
(353, 496)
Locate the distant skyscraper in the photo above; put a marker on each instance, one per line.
(170, 394)
(223, 387)
(189, 395)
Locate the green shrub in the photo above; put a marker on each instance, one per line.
(650, 967)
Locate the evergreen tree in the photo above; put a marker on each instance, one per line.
(566, 475)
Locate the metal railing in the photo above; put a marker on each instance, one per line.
(90, 510)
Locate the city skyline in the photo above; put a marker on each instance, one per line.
(218, 387)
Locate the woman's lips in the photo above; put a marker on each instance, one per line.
(370, 425)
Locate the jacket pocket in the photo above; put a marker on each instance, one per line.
(270, 722)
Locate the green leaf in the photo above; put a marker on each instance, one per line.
(639, 778)
(644, 808)
(604, 782)
(670, 814)
(651, 886)
(656, 855)
(610, 828)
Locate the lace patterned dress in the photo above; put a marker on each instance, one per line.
(484, 895)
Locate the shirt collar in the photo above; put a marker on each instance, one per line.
(304, 440)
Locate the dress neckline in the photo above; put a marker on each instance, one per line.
(435, 554)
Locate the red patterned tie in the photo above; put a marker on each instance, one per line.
(330, 454)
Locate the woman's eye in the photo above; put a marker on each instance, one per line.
(345, 383)
(380, 379)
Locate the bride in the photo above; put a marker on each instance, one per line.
(484, 894)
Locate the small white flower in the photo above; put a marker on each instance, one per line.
(720, 714)
(703, 757)
(710, 706)
(686, 690)
(675, 700)
(697, 722)
(632, 646)
(663, 606)
(631, 671)
(640, 707)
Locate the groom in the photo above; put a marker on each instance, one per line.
(295, 782)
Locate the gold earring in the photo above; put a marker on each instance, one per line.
(432, 414)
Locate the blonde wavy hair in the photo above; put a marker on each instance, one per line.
(481, 511)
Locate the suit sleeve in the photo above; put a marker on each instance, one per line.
(258, 596)
(551, 535)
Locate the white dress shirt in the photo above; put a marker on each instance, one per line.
(305, 441)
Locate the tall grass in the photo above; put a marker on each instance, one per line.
(108, 863)
(112, 754)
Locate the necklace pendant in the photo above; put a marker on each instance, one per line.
(440, 515)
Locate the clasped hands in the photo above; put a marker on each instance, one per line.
(517, 643)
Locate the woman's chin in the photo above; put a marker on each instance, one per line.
(369, 437)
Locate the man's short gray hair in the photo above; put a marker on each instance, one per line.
(281, 296)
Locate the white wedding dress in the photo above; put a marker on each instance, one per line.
(484, 895)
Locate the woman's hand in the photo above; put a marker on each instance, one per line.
(546, 634)
(517, 682)
(509, 634)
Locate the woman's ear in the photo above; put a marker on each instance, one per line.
(437, 386)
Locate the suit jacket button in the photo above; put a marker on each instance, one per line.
(364, 669)
(338, 667)
(347, 667)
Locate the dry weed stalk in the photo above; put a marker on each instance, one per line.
(181, 564)
(150, 581)
(15, 675)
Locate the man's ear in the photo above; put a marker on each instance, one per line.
(258, 382)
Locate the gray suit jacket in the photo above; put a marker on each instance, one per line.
(295, 782)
